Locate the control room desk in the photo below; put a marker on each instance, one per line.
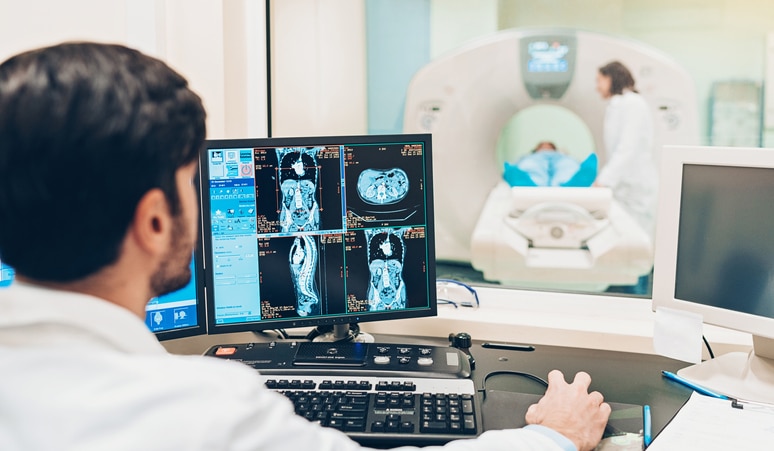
(621, 377)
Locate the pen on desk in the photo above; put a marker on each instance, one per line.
(647, 435)
(508, 346)
(689, 384)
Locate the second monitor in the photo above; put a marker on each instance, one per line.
(321, 231)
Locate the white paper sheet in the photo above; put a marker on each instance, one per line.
(677, 334)
(712, 424)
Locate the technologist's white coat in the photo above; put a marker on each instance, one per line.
(630, 170)
(80, 373)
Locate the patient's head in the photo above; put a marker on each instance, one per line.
(544, 145)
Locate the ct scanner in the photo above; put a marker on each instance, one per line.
(573, 237)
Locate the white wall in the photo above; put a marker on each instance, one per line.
(446, 34)
(318, 67)
(218, 45)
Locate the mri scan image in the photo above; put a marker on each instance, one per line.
(382, 187)
(303, 267)
(386, 289)
(299, 210)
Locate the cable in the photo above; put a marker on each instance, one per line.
(709, 348)
(537, 379)
(469, 288)
(266, 333)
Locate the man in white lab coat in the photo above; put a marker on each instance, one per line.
(99, 214)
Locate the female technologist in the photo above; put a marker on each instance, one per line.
(630, 170)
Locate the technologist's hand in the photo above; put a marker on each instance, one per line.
(571, 410)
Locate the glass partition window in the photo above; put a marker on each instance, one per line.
(408, 66)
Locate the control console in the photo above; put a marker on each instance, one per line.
(367, 359)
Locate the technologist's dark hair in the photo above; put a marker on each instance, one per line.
(86, 130)
(620, 77)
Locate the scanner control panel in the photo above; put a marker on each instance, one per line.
(367, 359)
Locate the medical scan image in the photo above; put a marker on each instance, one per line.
(385, 185)
(382, 187)
(303, 266)
(298, 186)
(386, 290)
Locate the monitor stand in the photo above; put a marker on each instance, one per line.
(345, 332)
(741, 375)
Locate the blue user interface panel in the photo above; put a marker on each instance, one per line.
(318, 233)
(547, 56)
(6, 275)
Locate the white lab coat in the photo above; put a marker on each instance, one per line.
(630, 170)
(80, 373)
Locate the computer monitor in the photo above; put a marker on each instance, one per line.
(318, 231)
(175, 315)
(714, 255)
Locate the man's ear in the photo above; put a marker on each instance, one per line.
(152, 223)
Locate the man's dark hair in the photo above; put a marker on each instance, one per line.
(86, 130)
(620, 77)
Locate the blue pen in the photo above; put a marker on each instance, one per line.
(693, 386)
(646, 425)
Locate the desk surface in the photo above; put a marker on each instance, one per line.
(621, 377)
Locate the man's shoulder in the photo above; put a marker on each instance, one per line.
(201, 369)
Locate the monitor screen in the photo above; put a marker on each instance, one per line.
(317, 231)
(547, 56)
(725, 245)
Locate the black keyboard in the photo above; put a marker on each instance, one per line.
(386, 411)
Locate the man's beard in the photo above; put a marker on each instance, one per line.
(174, 272)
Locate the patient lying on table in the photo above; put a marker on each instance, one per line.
(546, 166)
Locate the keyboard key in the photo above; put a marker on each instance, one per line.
(354, 425)
(336, 423)
(469, 423)
(433, 426)
(352, 408)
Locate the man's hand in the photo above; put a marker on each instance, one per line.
(571, 410)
